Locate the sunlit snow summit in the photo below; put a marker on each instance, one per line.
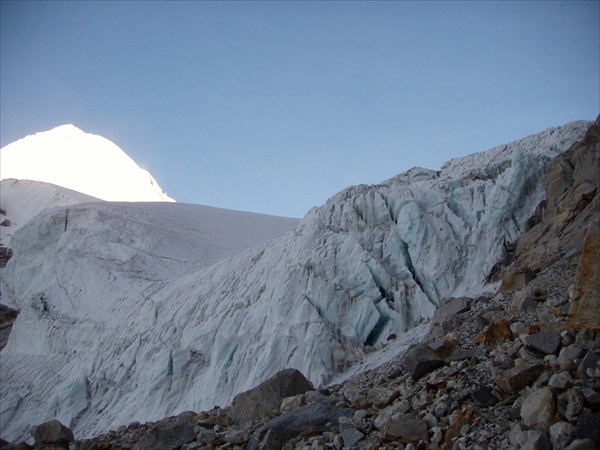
(87, 163)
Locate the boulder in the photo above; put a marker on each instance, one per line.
(380, 397)
(169, 433)
(533, 440)
(421, 360)
(581, 444)
(561, 433)
(484, 396)
(539, 409)
(52, 432)
(515, 379)
(356, 396)
(516, 277)
(568, 355)
(561, 380)
(575, 403)
(450, 308)
(266, 398)
(443, 348)
(590, 362)
(588, 427)
(404, 428)
(350, 435)
(526, 300)
(495, 333)
(546, 342)
(316, 417)
(385, 414)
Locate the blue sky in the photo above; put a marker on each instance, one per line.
(275, 106)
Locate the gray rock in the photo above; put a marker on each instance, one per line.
(588, 427)
(381, 397)
(539, 409)
(561, 380)
(267, 396)
(546, 342)
(421, 360)
(533, 440)
(484, 396)
(52, 432)
(404, 428)
(443, 348)
(464, 353)
(356, 396)
(575, 403)
(515, 379)
(385, 414)
(590, 361)
(436, 435)
(581, 444)
(567, 356)
(292, 402)
(350, 435)
(269, 441)
(561, 434)
(592, 397)
(236, 436)
(206, 436)
(318, 416)
(450, 308)
(169, 433)
(515, 431)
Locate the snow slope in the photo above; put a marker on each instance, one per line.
(112, 331)
(87, 163)
(23, 199)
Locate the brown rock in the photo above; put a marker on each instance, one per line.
(533, 328)
(516, 277)
(461, 419)
(495, 333)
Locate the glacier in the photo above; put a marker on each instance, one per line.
(133, 311)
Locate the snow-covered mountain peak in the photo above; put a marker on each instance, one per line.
(67, 156)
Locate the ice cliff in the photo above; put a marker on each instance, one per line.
(135, 312)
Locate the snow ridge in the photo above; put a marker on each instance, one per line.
(111, 331)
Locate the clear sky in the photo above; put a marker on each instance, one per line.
(275, 106)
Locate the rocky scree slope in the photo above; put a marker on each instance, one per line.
(514, 369)
(373, 261)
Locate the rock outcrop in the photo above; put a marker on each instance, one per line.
(569, 231)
